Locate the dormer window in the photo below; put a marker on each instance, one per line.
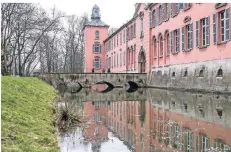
(96, 35)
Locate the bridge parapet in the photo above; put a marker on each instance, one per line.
(89, 79)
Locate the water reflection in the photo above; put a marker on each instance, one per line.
(154, 120)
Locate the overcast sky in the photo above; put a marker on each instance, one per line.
(112, 12)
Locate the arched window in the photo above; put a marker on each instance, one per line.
(96, 35)
(154, 48)
(167, 47)
(173, 74)
(201, 73)
(161, 46)
(220, 73)
(97, 62)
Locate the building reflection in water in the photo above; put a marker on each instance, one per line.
(165, 121)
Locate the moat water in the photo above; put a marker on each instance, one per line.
(148, 120)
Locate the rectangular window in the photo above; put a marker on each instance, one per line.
(150, 19)
(221, 32)
(167, 11)
(177, 40)
(163, 12)
(97, 63)
(134, 30)
(96, 48)
(202, 32)
(157, 16)
(205, 143)
(189, 36)
(142, 28)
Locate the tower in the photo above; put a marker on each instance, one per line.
(95, 32)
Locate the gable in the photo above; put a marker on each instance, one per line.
(139, 7)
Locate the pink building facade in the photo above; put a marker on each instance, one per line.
(95, 32)
(176, 44)
(162, 34)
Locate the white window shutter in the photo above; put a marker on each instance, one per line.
(215, 28)
(170, 10)
(207, 31)
(99, 48)
(191, 28)
(178, 35)
(170, 41)
(227, 25)
(182, 39)
(197, 34)
(93, 48)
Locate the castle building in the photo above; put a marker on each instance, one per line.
(162, 37)
(95, 32)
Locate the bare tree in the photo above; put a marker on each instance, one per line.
(33, 38)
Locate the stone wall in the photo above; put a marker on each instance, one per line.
(204, 107)
(199, 76)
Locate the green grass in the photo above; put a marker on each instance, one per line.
(27, 115)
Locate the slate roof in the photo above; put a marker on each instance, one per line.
(96, 18)
(96, 22)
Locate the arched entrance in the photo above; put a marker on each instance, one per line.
(142, 61)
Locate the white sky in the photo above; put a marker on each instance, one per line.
(112, 12)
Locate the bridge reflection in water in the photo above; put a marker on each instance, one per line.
(158, 120)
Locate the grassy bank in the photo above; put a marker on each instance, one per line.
(27, 115)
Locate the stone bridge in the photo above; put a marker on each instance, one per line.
(85, 80)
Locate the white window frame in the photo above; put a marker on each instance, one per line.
(204, 143)
(97, 63)
(189, 33)
(222, 20)
(97, 51)
(96, 35)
